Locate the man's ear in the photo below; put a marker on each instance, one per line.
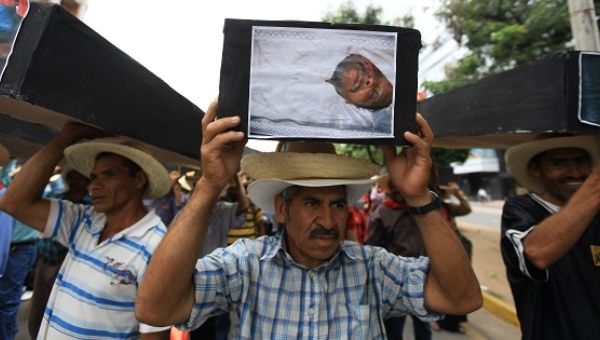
(279, 209)
(141, 180)
(534, 170)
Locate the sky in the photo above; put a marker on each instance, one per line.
(181, 40)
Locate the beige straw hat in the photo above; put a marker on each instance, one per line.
(517, 157)
(307, 164)
(4, 155)
(82, 156)
(188, 181)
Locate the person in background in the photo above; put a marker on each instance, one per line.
(6, 225)
(254, 225)
(167, 206)
(393, 227)
(21, 258)
(224, 217)
(455, 203)
(51, 254)
(550, 237)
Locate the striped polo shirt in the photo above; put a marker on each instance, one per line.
(94, 293)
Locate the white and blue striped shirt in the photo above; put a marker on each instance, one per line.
(94, 293)
(276, 298)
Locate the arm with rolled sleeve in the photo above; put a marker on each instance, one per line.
(520, 217)
(403, 284)
(219, 284)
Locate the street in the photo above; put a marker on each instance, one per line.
(486, 214)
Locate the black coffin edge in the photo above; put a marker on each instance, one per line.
(511, 107)
(70, 72)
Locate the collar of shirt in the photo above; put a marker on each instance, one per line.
(551, 207)
(136, 230)
(278, 251)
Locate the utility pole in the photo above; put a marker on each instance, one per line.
(583, 25)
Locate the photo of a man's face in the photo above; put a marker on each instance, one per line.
(321, 83)
(362, 83)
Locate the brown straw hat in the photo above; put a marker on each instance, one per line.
(517, 157)
(307, 164)
(82, 156)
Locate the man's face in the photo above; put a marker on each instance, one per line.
(315, 220)
(364, 85)
(111, 185)
(562, 172)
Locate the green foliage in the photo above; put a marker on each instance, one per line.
(347, 14)
(502, 34)
(444, 157)
(370, 152)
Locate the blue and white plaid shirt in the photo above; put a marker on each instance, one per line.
(276, 298)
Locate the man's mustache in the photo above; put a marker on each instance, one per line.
(321, 231)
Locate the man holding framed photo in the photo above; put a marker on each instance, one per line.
(309, 282)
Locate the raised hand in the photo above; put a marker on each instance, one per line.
(221, 148)
(411, 169)
(77, 131)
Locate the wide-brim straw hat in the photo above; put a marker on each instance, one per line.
(517, 157)
(188, 181)
(4, 155)
(274, 172)
(82, 157)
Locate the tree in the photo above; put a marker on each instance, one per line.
(502, 34)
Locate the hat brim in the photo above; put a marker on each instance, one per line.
(295, 165)
(82, 157)
(517, 157)
(262, 192)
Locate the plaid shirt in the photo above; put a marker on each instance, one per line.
(276, 298)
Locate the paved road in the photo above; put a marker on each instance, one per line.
(484, 214)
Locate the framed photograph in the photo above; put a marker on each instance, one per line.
(303, 80)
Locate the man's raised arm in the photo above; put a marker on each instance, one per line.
(23, 199)
(163, 302)
(451, 285)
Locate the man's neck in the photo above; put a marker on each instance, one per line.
(548, 197)
(123, 218)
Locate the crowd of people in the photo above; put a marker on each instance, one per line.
(300, 241)
(267, 245)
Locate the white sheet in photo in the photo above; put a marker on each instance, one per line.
(288, 93)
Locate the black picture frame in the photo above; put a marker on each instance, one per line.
(238, 90)
(589, 88)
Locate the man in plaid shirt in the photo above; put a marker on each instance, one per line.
(308, 283)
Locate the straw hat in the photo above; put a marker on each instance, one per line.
(517, 157)
(188, 181)
(82, 157)
(307, 164)
(4, 155)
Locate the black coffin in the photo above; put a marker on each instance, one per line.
(63, 70)
(511, 107)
